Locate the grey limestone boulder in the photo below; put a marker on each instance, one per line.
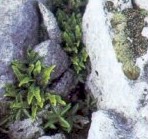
(18, 29)
(65, 84)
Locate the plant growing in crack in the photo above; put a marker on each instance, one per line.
(69, 18)
(29, 96)
(28, 93)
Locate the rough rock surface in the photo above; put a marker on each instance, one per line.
(18, 29)
(102, 127)
(143, 4)
(26, 129)
(124, 101)
(121, 4)
(57, 136)
(65, 84)
(53, 55)
(50, 24)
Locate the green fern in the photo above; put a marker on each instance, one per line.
(70, 18)
(27, 94)
(34, 92)
(17, 73)
(25, 80)
(38, 68)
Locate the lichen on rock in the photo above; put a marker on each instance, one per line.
(128, 42)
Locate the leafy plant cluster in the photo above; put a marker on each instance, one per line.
(28, 93)
(69, 16)
(29, 96)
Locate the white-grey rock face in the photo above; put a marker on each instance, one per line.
(102, 126)
(124, 101)
(121, 4)
(18, 29)
(56, 136)
(26, 129)
(143, 4)
(53, 55)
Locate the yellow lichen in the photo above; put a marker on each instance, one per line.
(118, 18)
(131, 70)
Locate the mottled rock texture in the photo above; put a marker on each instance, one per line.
(123, 101)
(26, 129)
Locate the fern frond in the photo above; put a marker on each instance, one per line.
(46, 73)
(37, 69)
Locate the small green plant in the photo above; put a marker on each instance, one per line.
(56, 114)
(69, 16)
(70, 116)
(32, 78)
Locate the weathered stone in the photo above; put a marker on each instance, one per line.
(111, 126)
(56, 136)
(126, 99)
(26, 129)
(19, 24)
(142, 4)
(146, 20)
(18, 30)
(53, 55)
(114, 126)
(50, 23)
(65, 84)
(145, 32)
(101, 127)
